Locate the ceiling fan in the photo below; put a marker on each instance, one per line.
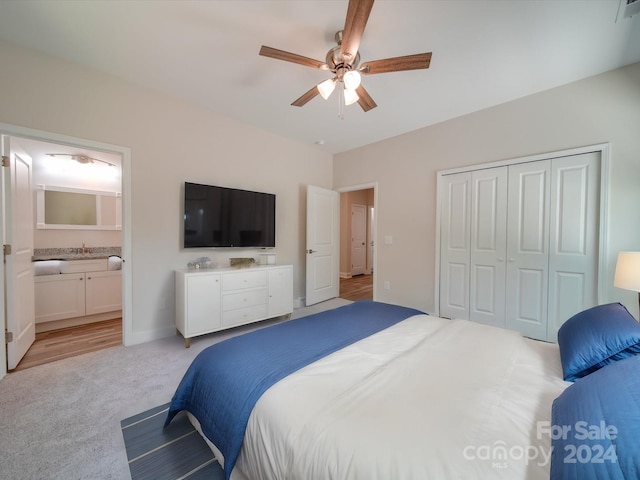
(343, 61)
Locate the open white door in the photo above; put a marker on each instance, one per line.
(323, 244)
(18, 241)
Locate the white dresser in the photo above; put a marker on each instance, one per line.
(212, 300)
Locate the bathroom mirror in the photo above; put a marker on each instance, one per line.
(79, 209)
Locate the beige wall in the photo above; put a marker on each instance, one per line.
(170, 141)
(600, 109)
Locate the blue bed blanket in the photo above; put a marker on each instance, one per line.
(596, 425)
(225, 381)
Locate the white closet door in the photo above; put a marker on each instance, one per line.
(573, 249)
(488, 246)
(455, 225)
(528, 248)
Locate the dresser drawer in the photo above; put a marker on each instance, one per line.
(247, 298)
(244, 315)
(236, 281)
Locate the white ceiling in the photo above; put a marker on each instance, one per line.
(485, 52)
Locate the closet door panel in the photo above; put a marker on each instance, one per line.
(566, 294)
(574, 245)
(456, 286)
(531, 216)
(454, 245)
(531, 284)
(484, 304)
(488, 246)
(528, 248)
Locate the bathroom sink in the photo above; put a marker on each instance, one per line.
(79, 266)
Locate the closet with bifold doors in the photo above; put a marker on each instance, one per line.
(519, 242)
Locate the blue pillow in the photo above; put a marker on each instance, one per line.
(595, 424)
(597, 337)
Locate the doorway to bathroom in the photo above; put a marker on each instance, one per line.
(78, 283)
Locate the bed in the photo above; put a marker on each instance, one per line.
(400, 395)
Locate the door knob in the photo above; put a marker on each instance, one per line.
(311, 251)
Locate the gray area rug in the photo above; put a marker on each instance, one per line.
(172, 453)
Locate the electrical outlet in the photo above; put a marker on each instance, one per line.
(387, 285)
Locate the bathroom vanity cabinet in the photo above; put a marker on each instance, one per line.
(84, 288)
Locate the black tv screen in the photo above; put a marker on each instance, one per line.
(228, 217)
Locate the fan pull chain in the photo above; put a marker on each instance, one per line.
(341, 102)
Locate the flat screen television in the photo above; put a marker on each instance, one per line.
(228, 217)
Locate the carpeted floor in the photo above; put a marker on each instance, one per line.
(172, 453)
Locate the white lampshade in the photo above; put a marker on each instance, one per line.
(628, 271)
(351, 80)
(326, 87)
(350, 96)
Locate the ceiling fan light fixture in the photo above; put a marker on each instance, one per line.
(350, 96)
(326, 88)
(351, 79)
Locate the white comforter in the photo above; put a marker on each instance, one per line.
(428, 398)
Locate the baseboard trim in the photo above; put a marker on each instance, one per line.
(135, 338)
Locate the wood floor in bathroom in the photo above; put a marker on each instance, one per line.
(72, 341)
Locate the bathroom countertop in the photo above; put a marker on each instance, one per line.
(88, 256)
(72, 253)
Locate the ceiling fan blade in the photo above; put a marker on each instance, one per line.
(365, 100)
(397, 64)
(292, 57)
(306, 97)
(357, 16)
